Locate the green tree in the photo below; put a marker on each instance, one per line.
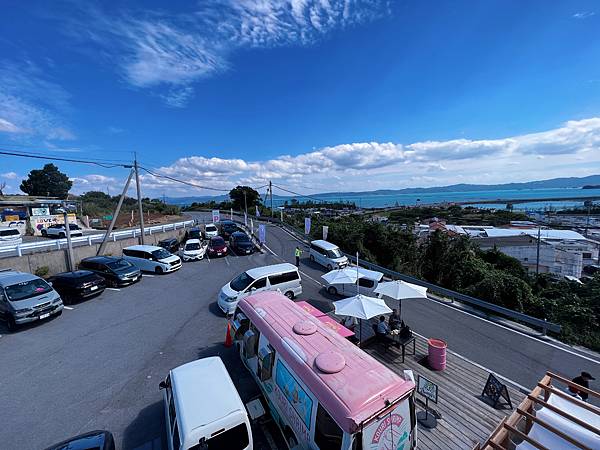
(48, 181)
(252, 197)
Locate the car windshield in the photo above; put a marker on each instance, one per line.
(72, 226)
(211, 228)
(241, 282)
(335, 253)
(242, 238)
(161, 254)
(119, 264)
(27, 289)
(192, 246)
(217, 242)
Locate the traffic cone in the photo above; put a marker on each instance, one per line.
(228, 340)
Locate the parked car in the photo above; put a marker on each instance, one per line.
(77, 285)
(327, 254)
(228, 227)
(171, 245)
(193, 250)
(217, 247)
(203, 409)
(10, 236)
(26, 298)
(94, 440)
(210, 230)
(58, 230)
(150, 258)
(277, 277)
(240, 243)
(194, 233)
(116, 271)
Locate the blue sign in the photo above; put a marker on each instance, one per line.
(262, 233)
(307, 225)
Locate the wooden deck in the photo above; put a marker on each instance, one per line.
(466, 418)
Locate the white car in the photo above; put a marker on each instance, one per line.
(193, 250)
(10, 236)
(150, 258)
(210, 230)
(58, 231)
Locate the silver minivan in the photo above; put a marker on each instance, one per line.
(10, 236)
(26, 298)
(327, 254)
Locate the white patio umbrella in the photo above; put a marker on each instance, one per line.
(361, 307)
(346, 275)
(401, 290)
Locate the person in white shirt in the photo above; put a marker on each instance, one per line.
(350, 322)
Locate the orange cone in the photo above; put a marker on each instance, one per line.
(228, 340)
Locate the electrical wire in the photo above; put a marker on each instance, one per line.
(49, 153)
(299, 195)
(57, 158)
(166, 177)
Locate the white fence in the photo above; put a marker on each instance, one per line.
(58, 244)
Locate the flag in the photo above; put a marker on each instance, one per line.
(257, 211)
(262, 233)
(231, 213)
(251, 226)
(307, 225)
(245, 219)
(325, 231)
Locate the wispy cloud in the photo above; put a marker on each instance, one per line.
(114, 130)
(9, 175)
(374, 164)
(170, 53)
(583, 15)
(32, 104)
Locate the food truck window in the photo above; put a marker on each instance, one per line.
(266, 357)
(357, 442)
(328, 435)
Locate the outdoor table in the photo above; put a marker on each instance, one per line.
(403, 342)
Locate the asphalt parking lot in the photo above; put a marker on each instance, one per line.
(98, 365)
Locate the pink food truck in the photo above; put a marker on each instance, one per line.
(323, 391)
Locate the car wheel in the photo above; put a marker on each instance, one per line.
(329, 267)
(312, 258)
(44, 233)
(11, 324)
(332, 290)
(290, 295)
(159, 270)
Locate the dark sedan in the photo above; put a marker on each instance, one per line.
(228, 227)
(217, 247)
(116, 271)
(94, 440)
(171, 245)
(78, 285)
(240, 243)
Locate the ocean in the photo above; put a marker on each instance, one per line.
(373, 200)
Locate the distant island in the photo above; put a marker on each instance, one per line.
(591, 186)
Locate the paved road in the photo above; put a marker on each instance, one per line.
(516, 356)
(98, 365)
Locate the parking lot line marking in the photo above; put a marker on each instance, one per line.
(148, 276)
(113, 289)
(311, 278)
(227, 261)
(274, 254)
(68, 308)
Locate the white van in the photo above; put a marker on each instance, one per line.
(10, 236)
(327, 254)
(150, 258)
(278, 277)
(203, 409)
(367, 284)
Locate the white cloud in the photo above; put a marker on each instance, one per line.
(373, 165)
(584, 15)
(169, 53)
(31, 104)
(9, 175)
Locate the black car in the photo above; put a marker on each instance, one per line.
(78, 285)
(116, 271)
(194, 233)
(240, 243)
(228, 227)
(171, 245)
(94, 440)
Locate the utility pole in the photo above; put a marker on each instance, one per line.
(537, 259)
(116, 214)
(139, 197)
(271, 192)
(71, 263)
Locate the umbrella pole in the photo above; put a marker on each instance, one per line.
(357, 285)
(400, 308)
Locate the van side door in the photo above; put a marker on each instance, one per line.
(3, 303)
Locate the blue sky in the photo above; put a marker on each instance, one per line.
(318, 95)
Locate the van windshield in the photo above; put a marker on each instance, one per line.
(27, 289)
(335, 253)
(241, 282)
(161, 254)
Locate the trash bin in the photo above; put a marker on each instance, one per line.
(437, 353)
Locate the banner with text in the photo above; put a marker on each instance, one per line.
(307, 225)
(325, 231)
(262, 233)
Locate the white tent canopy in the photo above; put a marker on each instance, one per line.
(401, 290)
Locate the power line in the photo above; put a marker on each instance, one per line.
(166, 177)
(49, 153)
(298, 194)
(57, 158)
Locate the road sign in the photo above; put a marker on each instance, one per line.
(216, 216)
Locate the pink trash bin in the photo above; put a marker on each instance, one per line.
(437, 354)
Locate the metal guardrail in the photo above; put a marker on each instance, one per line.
(59, 244)
(544, 325)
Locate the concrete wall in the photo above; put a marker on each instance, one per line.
(56, 260)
